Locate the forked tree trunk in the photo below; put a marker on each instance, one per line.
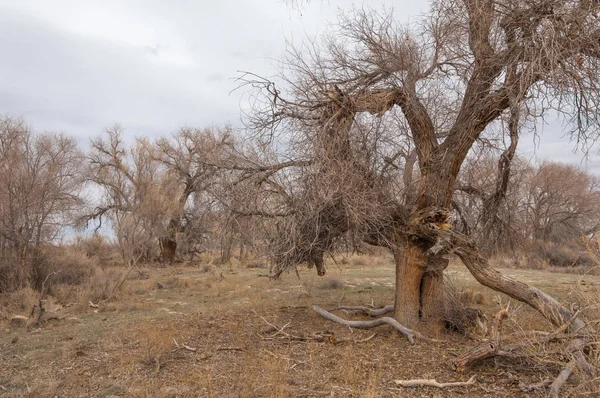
(419, 276)
(419, 288)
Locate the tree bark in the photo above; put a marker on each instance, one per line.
(432, 294)
(410, 268)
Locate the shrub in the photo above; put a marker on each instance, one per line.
(72, 267)
(19, 301)
(14, 273)
(103, 285)
(331, 283)
(257, 264)
(568, 254)
(459, 314)
(99, 248)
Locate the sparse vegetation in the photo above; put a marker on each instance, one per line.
(384, 157)
(151, 339)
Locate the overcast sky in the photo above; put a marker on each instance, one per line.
(79, 66)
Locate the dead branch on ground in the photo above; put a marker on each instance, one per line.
(351, 310)
(434, 383)
(410, 334)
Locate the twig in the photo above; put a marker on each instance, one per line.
(186, 347)
(534, 386)
(189, 348)
(40, 305)
(434, 383)
(366, 339)
(229, 349)
(278, 329)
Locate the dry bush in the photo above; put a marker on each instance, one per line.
(460, 315)
(566, 255)
(550, 357)
(99, 248)
(331, 284)
(359, 261)
(14, 274)
(18, 302)
(65, 266)
(176, 282)
(257, 264)
(70, 266)
(154, 344)
(590, 307)
(103, 285)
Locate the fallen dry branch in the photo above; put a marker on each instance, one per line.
(351, 310)
(495, 346)
(366, 339)
(229, 349)
(485, 349)
(561, 379)
(279, 334)
(411, 335)
(434, 383)
(535, 386)
(185, 347)
(578, 330)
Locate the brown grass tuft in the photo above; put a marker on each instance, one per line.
(331, 284)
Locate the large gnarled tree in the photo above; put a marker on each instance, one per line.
(451, 76)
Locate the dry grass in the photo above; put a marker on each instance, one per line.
(331, 283)
(134, 345)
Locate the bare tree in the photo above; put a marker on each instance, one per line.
(490, 201)
(563, 202)
(451, 75)
(40, 187)
(192, 159)
(134, 197)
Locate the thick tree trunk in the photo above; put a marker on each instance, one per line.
(432, 294)
(411, 264)
(420, 277)
(168, 243)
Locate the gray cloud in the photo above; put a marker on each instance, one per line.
(153, 66)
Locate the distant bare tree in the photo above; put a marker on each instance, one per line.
(40, 187)
(192, 159)
(134, 197)
(563, 202)
(490, 205)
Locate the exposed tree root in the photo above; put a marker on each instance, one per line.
(535, 386)
(410, 334)
(434, 383)
(561, 379)
(351, 310)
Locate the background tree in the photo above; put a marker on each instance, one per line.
(563, 202)
(192, 159)
(40, 192)
(134, 194)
